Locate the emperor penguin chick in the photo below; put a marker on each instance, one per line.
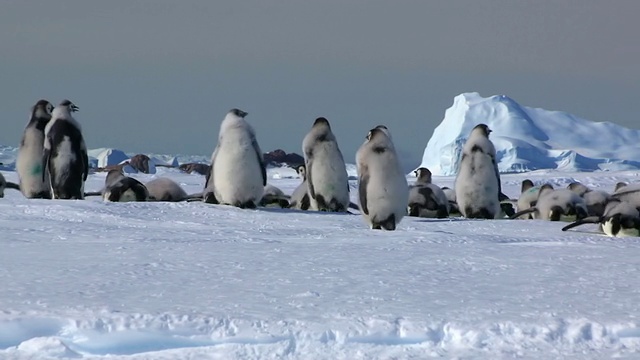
(238, 173)
(619, 219)
(477, 183)
(65, 153)
(327, 179)
(121, 188)
(528, 196)
(29, 161)
(165, 189)
(300, 197)
(427, 200)
(274, 196)
(383, 191)
(556, 205)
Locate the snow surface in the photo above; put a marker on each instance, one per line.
(530, 138)
(94, 280)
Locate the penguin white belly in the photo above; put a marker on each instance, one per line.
(387, 193)
(479, 188)
(237, 174)
(607, 228)
(29, 164)
(63, 160)
(329, 175)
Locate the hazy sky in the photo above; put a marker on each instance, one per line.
(159, 76)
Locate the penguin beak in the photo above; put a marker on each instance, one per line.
(74, 108)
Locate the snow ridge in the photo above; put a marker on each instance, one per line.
(530, 138)
(139, 334)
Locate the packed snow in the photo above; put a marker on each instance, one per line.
(530, 138)
(95, 280)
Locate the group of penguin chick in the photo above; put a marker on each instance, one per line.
(52, 163)
(617, 214)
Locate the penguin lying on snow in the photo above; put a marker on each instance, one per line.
(427, 200)
(556, 205)
(274, 196)
(595, 200)
(165, 189)
(121, 188)
(528, 196)
(620, 219)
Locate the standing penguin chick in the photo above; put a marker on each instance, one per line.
(382, 186)
(426, 199)
(238, 173)
(29, 161)
(300, 197)
(327, 179)
(65, 154)
(477, 184)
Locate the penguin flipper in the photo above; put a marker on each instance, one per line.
(46, 155)
(12, 185)
(523, 212)
(263, 167)
(587, 220)
(209, 175)
(363, 180)
(85, 164)
(501, 196)
(308, 163)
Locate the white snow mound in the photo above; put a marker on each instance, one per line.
(530, 138)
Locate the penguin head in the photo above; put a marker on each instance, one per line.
(578, 188)
(321, 122)
(42, 108)
(481, 129)
(545, 189)
(526, 185)
(239, 113)
(377, 132)
(424, 175)
(301, 170)
(69, 105)
(620, 185)
(385, 129)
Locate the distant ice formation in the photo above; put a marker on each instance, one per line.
(530, 138)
